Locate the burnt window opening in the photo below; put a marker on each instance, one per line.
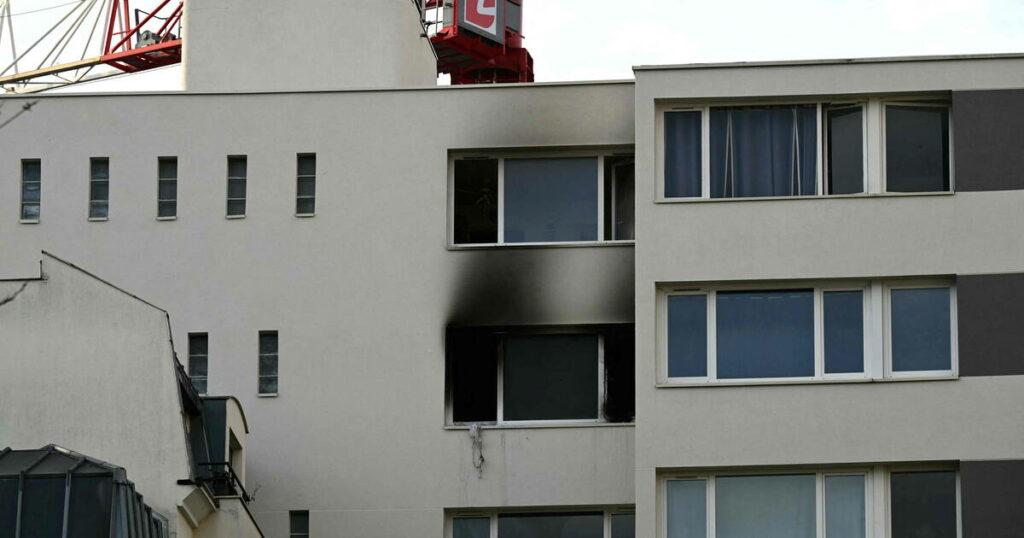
(618, 198)
(476, 201)
(528, 374)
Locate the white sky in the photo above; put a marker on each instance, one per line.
(603, 39)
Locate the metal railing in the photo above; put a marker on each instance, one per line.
(222, 481)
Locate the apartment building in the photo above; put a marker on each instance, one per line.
(719, 301)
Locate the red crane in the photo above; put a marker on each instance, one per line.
(479, 41)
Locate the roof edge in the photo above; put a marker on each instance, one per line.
(833, 61)
(93, 275)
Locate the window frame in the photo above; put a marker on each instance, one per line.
(883, 137)
(877, 497)
(160, 180)
(227, 184)
(94, 180)
(277, 362)
(298, 179)
(501, 156)
(876, 325)
(191, 355)
(21, 193)
(607, 512)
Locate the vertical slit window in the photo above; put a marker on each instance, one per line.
(268, 378)
(683, 154)
(917, 148)
(31, 183)
(618, 198)
(167, 187)
(476, 201)
(687, 336)
(305, 203)
(237, 174)
(198, 361)
(99, 187)
(844, 133)
(845, 506)
(687, 508)
(844, 331)
(298, 524)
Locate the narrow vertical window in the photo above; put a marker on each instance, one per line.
(618, 198)
(198, 361)
(683, 154)
(475, 201)
(31, 181)
(688, 336)
(916, 148)
(921, 330)
(924, 504)
(305, 203)
(844, 132)
(99, 187)
(687, 508)
(237, 170)
(845, 507)
(471, 527)
(298, 524)
(167, 187)
(268, 379)
(844, 331)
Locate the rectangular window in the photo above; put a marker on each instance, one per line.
(683, 154)
(198, 361)
(528, 375)
(542, 200)
(305, 203)
(99, 188)
(540, 524)
(268, 378)
(298, 524)
(237, 173)
(167, 187)
(917, 148)
(844, 144)
(924, 504)
(739, 333)
(31, 182)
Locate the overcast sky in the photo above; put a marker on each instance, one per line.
(603, 39)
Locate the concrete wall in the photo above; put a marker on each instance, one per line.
(360, 294)
(66, 380)
(233, 45)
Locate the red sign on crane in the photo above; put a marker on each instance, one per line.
(480, 41)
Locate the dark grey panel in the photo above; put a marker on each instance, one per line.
(990, 311)
(988, 147)
(992, 497)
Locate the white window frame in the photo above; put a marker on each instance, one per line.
(94, 180)
(877, 496)
(206, 357)
(922, 103)
(492, 515)
(161, 180)
(877, 323)
(21, 192)
(298, 179)
(501, 157)
(277, 361)
(227, 185)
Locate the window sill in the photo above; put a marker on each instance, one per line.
(768, 382)
(813, 197)
(26, 221)
(542, 425)
(268, 395)
(98, 219)
(166, 218)
(564, 244)
(305, 215)
(234, 217)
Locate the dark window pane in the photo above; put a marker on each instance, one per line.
(307, 165)
(30, 192)
(623, 526)
(42, 509)
(168, 190)
(307, 186)
(168, 168)
(8, 506)
(476, 201)
(924, 505)
(549, 200)
(589, 525)
(89, 511)
(688, 336)
(99, 169)
(268, 365)
(200, 384)
(198, 366)
(845, 149)
(237, 166)
(619, 349)
(683, 152)
(764, 151)
(777, 506)
(550, 377)
(471, 527)
(268, 385)
(921, 330)
(268, 342)
(99, 190)
(97, 210)
(298, 522)
(844, 507)
(167, 209)
(236, 207)
(686, 505)
(473, 364)
(30, 211)
(916, 149)
(765, 334)
(236, 188)
(31, 170)
(618, 198)
(844, 332)
(305, 206)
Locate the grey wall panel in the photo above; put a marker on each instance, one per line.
(988, 148)
(991, 322)
(992, 494)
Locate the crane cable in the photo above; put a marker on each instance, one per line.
(2, 16)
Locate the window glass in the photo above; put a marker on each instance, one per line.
(687, 508)
(924, 505)
(765, 334)
(268, 367)
(683, 154)
(687, 336)
(305, 202)
(618, 198)
(298, 523)
(584, 525)
(776, 506)
(916, 148)
(237, 169)
(550, 377)
(844, 332)
(921, 330)
(476, 201)
(8, 510)
(198, 361)
(623, 525)
(764, 151)
(471, 527)
(89, 506)
(845, 124)
(31, 175)
(844, 507)
(99, 187)
(167, 187)
(42, 507)
(548, 200)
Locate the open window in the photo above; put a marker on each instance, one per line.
(526, 375)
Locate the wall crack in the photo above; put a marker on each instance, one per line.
(14, 295)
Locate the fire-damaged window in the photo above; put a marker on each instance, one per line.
(563, 198)
(531, 374)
